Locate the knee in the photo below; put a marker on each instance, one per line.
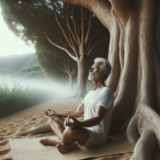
(68, 132)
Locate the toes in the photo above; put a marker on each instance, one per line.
(60, 151)
(58, 146)
(42, 141)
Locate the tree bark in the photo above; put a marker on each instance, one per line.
(134, 54)
(82, 76)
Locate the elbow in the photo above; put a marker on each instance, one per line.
(98, 120)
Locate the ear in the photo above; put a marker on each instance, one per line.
(103, 73)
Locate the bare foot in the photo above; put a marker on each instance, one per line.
(62, 148)
(48, 141)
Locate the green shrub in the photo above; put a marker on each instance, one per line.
(15, 98)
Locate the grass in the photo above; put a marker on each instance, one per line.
(15, 98)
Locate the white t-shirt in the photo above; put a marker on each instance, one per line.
(100, 97)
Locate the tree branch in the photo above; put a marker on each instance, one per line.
(61, 69)
(85, 13)
(93, 37)
(64, 68)
(65, 49)
(74, 71)
(89, 28)
(45, 7)
(75, 25)
(101, 9)
(96, 45)
(40, 30)
(123, 9)
(68, 38)
(82, 25)
(76, 50)
(65, 35)
(91, 57)
(68, 25)
(44, 32)
(73, 46)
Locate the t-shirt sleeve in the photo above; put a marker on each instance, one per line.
(106, 99)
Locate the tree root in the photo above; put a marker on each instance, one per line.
(145, 146)
(146, 124)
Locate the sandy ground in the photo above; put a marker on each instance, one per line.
(33, 117)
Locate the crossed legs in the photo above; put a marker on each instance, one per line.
(68, 137)
(56, 124)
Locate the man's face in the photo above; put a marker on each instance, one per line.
(95, 72)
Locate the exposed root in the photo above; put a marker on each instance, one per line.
(146, 121)
(132, 131)
(145, 147)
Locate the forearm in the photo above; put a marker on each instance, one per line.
(89, 122)
(70, 113)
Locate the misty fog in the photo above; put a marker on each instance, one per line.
(58, 90)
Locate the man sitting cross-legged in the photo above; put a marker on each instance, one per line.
(97, 108)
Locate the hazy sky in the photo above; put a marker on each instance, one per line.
(9, 43)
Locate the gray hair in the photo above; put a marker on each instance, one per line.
(104, 66)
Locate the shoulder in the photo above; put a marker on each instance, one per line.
(106, 90)
(106, 93)
(105, 98)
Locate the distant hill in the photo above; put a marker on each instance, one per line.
(15, 61)
(21, 65)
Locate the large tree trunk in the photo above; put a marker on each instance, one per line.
(82, 76)
(71, 82)
(134, 54)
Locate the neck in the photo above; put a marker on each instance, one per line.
(98, 84)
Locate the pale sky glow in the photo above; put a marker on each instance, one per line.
(9, 43)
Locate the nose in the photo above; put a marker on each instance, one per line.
(90, 69)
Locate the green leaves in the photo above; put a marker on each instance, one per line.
(15, 98)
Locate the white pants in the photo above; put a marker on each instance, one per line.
(95, 138)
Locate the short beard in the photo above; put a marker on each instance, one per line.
(91, 77)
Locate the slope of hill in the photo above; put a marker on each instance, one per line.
(21, 65)
(15, 61)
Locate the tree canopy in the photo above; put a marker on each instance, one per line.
(55, 28)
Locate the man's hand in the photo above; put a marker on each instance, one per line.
(71, 122)
(49, 112)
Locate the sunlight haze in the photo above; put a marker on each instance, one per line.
(9, 43)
